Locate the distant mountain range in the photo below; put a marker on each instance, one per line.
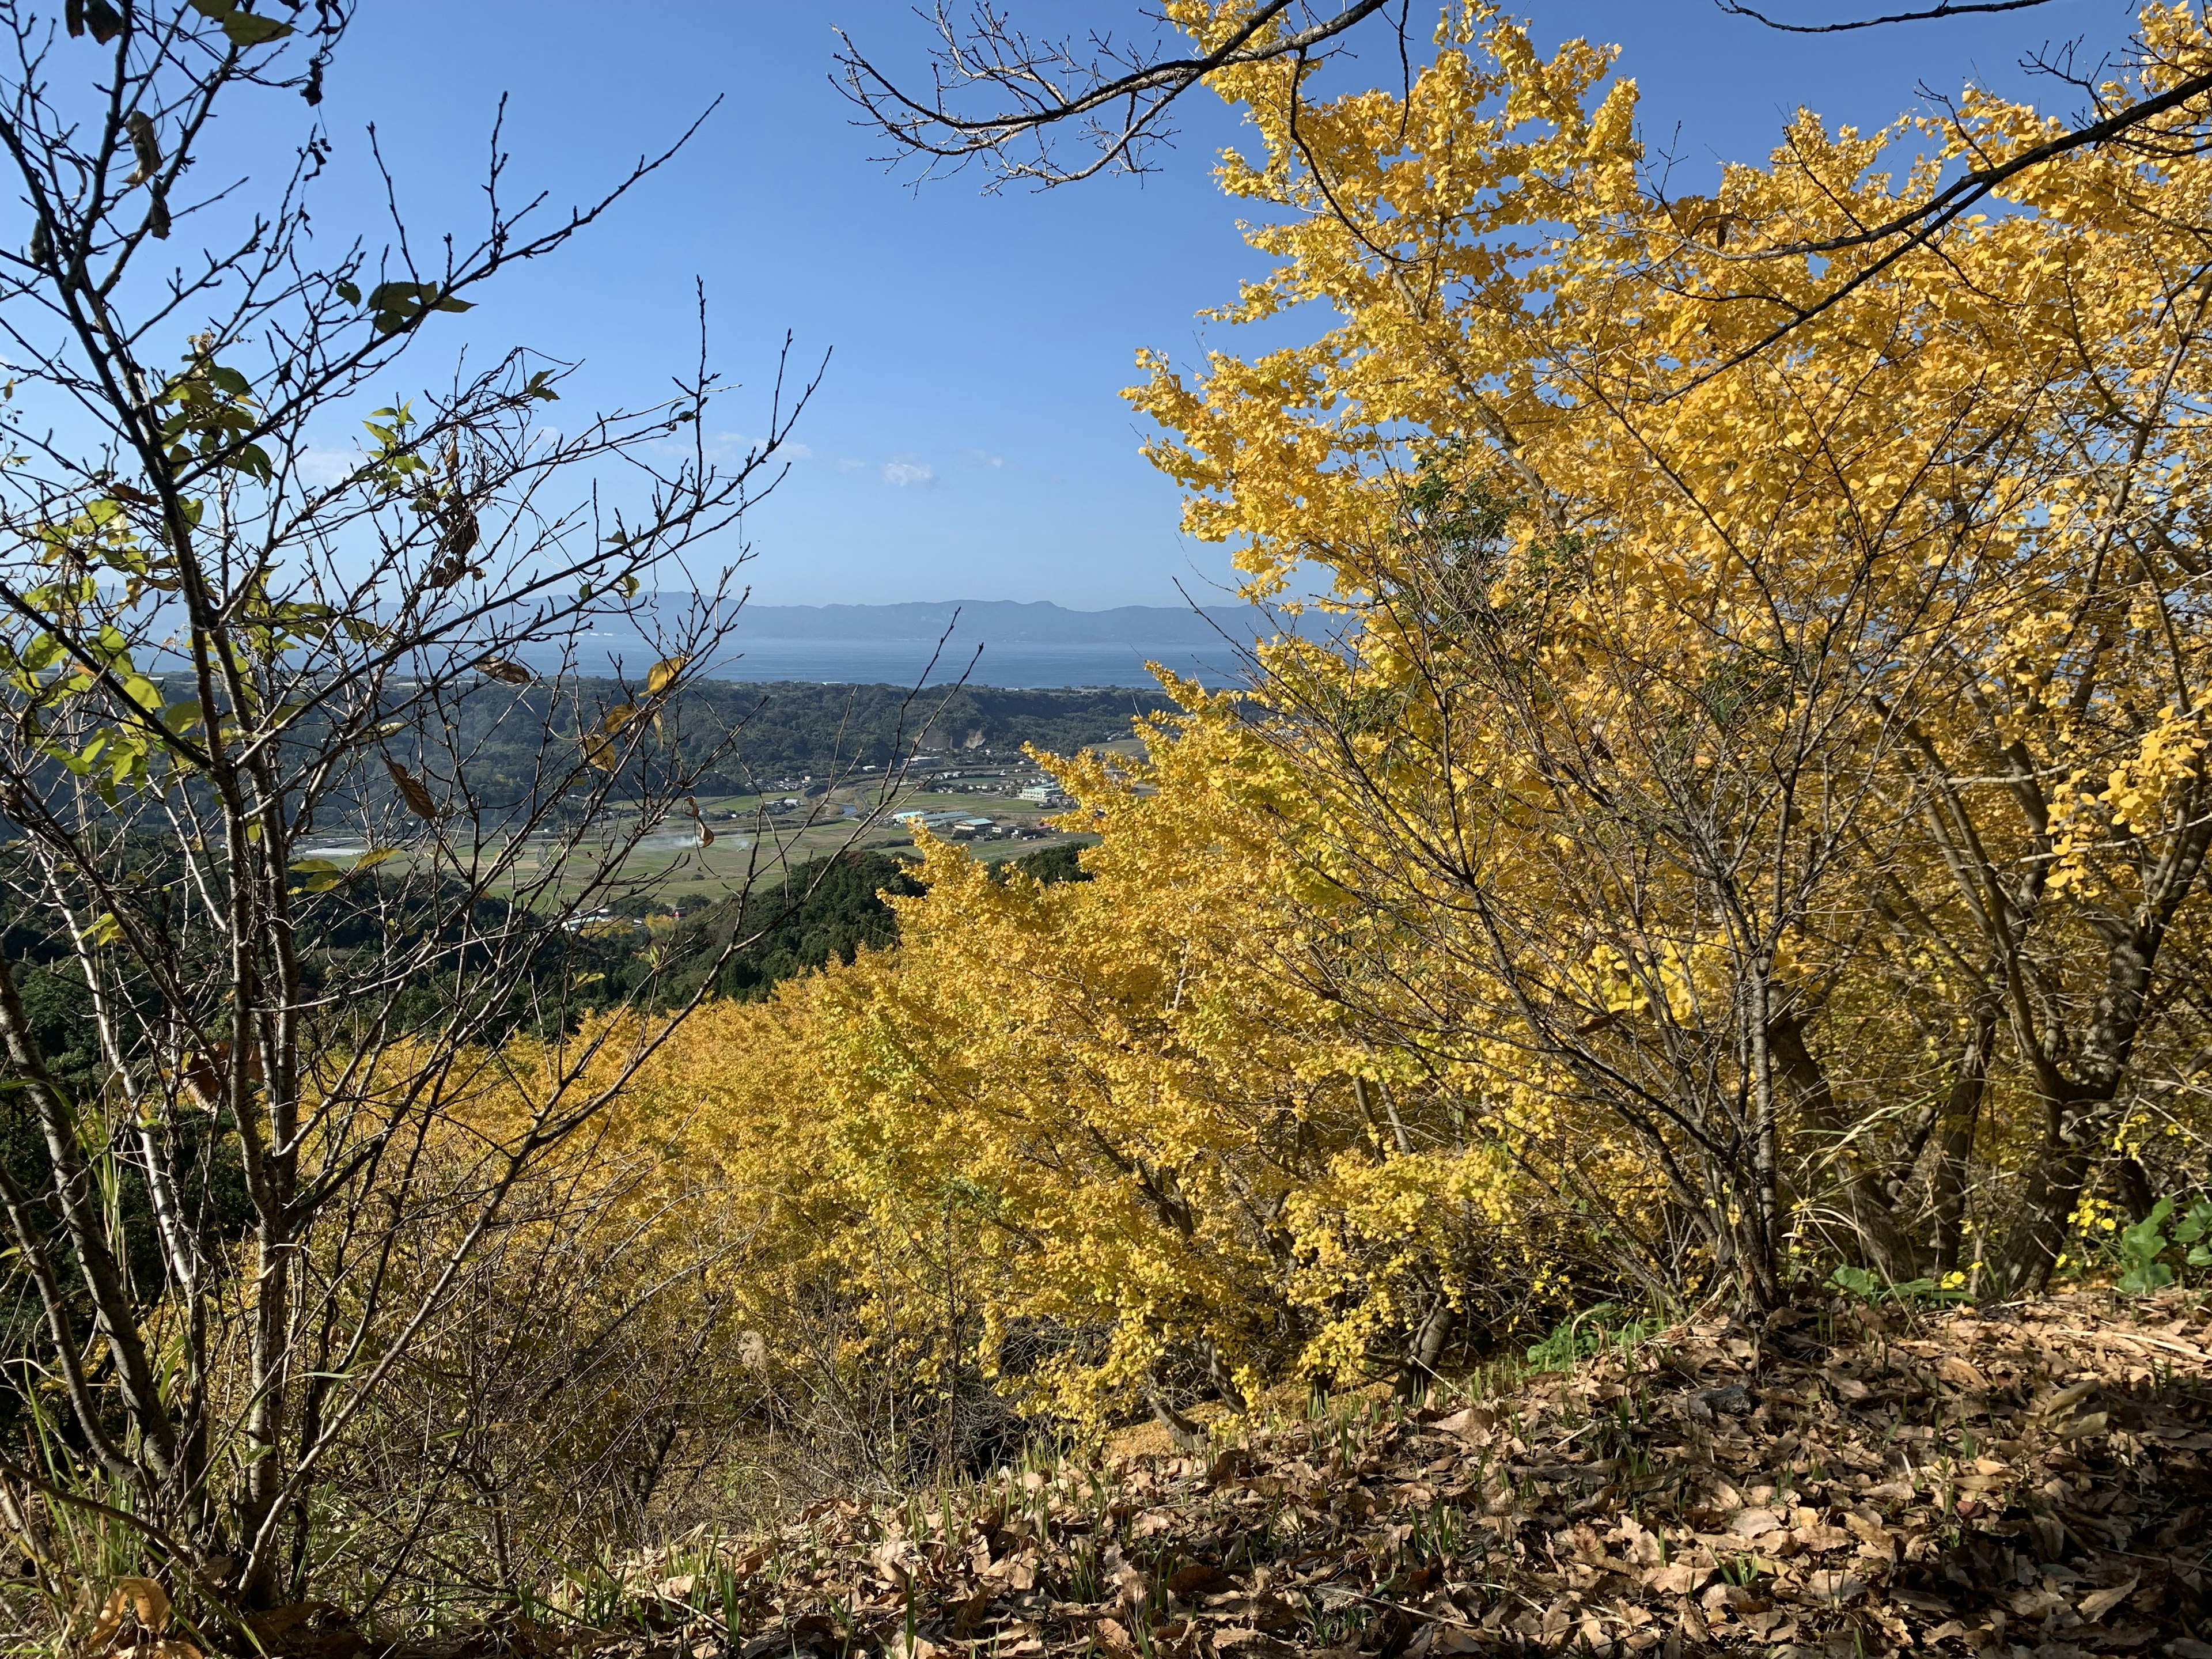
(1006, 622)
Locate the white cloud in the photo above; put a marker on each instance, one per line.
(985, 458)
(909, 475)
(320, 468)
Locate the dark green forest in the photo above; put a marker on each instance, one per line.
(820, 912)
(772, 735)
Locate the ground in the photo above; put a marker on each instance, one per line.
(2028, 1480)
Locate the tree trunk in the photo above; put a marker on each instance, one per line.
(1871, 1237)
(1954, 1145)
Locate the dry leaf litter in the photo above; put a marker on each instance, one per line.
(2028, 1481)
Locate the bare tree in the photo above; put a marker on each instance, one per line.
(240, 806)
(1003, 97)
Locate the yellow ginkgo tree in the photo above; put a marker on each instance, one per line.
(1760, 665)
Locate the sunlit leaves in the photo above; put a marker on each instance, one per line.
(242, 26)
(396, 305)
(323, 875)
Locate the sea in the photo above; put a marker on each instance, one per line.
(1016, 664)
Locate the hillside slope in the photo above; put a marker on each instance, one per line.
(2027, 1481)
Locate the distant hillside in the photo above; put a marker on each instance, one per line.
(1005, 620)
(989, 642)
(786, 731)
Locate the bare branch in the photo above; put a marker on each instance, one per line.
(1031, 89)
(1945, 8)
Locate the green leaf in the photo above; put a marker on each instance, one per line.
(317, 875)
(396, 305)
(245, 29)
(2196, 1224)
(349, 292)
(105, 931)
(2142, 1279)
(1858, 1281)
(2140, 1246)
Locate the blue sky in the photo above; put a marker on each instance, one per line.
(968, 441)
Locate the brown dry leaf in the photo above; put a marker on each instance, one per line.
(1755, 1524)
(419, 800)
(505, 672)
(1952, 1369)
(2064, 1400)
(1868, 1528)
(2096, 1605)
(1196, 1579)
(142, 1597)
(2083, 1517)
(1115, 1637)
(1678, 1578)
(1835, 1586)
(893, 1559)
(1469, 1420)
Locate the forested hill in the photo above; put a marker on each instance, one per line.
(794, 726)
(771, 734)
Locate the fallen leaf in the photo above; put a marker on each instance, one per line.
(139, 1596)
(2096, 1605)
(1952, 1369)
(1678, 1578)
(1195, 1579)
